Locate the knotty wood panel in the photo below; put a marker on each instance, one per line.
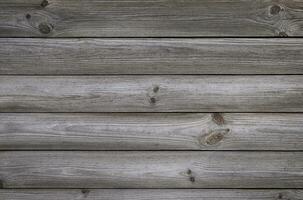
(151, 93)
(148, 194)
(160, 169)
(152, 18)
(151, 56)
(188, 131)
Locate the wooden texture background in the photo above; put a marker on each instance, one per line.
(151, 99)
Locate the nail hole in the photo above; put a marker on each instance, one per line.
(156, 89)
(153, 100)
(192, 179)
(85, 192)
(28, 16)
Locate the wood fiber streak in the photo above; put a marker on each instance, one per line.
(149, 194)
(158, 169)
(151, 93)
(150, 18)
(150, 56)
(237, 131)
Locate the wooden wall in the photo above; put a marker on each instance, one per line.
(151, 99)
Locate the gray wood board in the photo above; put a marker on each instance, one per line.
(154, 169)
(150, 56)
(151, 93)
(135, 131)
(150, 18)
(150, 194)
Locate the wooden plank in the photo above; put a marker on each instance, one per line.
(146, 194)
(158, 169)
(188, 131)
(151, 93)
(150, 18)
(151, 56)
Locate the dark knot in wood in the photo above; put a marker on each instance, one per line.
(275, 9)
(44, 3)
(218, 118)
(283, 34)
(214, 137)
(1, 184)
(45, 28)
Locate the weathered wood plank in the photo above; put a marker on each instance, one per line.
(149, 194)
(152, 18)
(159, 169)
(151, 93)
(237, 131)
(151, 56)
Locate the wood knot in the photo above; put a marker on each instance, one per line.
(218, 118)
(45, 28)
(85, 192)
(214, 137)
(1, 184)
(275, 9)
(283, 34)
(44, 3)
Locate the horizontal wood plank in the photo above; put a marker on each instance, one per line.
(188, 131)
(150, 18)
(150, 56)
(151, 93)
(158, 169)
(148, 194)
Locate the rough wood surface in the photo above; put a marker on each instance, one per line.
(150, 194)
(151, 56)
(151, 93)
(238, 131)
(151, 18)
(158, 169)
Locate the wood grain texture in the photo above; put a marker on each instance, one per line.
(150, 18)
(150, 56)
(151, 93)
(237, 131)
(159, 169)
(150, 194)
